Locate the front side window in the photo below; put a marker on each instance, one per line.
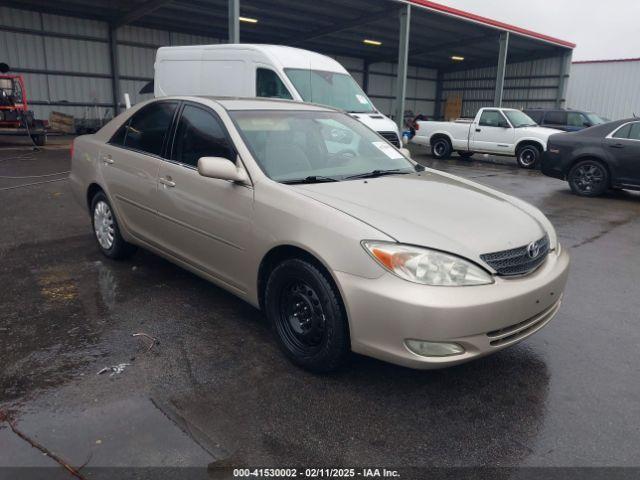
(146, 129)
(519, 119)
(492, 118)
(294, 145)
(337, 90)
(268, 84)
(200, 134)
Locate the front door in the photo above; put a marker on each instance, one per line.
(206, 221)
(493, 133)
(129, 163)
(624, 146)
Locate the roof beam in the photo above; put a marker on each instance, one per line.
(140, 11)
(362, 20)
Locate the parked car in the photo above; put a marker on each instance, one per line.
(312, 217)
(596, 159)
(271, 71)
(499, 131)
(565, 120)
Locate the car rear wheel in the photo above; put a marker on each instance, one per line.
(528, 156)
(588, 178)
(465, 155)
(441, 148)
(106, 231)
(307, 315)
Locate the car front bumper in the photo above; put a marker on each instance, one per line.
(387, 311)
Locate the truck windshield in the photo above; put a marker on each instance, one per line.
(595, 119)
(316, 146)
(519, 119)
(337, 90)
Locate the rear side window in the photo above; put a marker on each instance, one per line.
(268, 84)
(200, 134)
(634, 134)
(536, 115)
(623, 132)
(146, 130)
(555, 118)
(492, 118)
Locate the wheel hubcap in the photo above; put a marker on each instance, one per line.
(589, 177)
(528, 157)
(302, 318)
(103, 225)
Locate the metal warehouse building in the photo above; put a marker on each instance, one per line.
(79, 57)
(607, 87)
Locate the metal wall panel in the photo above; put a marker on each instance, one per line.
(527, 84)
(22, 51)
(12, 17)
(74, 26)
(148, 36)
(609, 89)
(136, 61)
(70, 55)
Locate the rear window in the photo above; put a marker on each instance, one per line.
(536, 115)
(555, 118)
(146, 130)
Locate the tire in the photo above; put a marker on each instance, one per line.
(40, 139)
(528, 156)
(307, 316)
(106, 230)
(441, 148)
(465, 155)
(589, 178)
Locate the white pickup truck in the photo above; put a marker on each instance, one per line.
(498, 131)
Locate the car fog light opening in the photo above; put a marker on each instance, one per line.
(434, 349)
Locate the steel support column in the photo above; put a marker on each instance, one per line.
(365, 77)
(502, 68)
(403, 58)
(115, 70)
(437, 108)
(234, 21)
(565, 69)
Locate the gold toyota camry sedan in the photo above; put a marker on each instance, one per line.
(343, 241)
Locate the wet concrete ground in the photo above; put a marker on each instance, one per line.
(217, 390)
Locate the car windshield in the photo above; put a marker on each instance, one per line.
(310, 146)
(595, 119)
(519, 119)
(337, 90)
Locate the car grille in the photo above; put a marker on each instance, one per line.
(518, 261)
(391, 137)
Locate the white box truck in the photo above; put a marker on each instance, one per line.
(246, 70)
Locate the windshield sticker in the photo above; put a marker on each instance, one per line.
(362, 99)
(388, 150)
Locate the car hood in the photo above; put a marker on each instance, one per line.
(433, 210)
(377, 122)
(540, 132)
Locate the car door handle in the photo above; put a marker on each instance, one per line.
(478, 130)
(617, 145)
(167, 182)
(106, 159)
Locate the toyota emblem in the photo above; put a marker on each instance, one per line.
(533, 250)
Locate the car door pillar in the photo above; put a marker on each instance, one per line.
(403, 59)
(502, 67)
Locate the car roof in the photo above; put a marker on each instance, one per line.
(240, 103)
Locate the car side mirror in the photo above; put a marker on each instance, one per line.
(222, 168)
(587, 124)
(406, 152)
(505, 125)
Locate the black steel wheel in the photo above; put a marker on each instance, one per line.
(307, 315)
(441, 148)
(528, 156)
(588, 178)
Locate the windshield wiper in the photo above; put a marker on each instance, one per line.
(377, 173)
(310, 179)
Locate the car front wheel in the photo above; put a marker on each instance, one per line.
(106, 230)
(528, 156)
(588, 178)
(307, 315)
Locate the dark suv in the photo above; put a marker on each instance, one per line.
(567, 120)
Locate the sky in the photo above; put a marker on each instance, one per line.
(601, 29)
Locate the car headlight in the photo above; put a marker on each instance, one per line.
(425, 266)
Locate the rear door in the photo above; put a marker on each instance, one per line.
(624, 147)
(493, 133)
(555, 119)
(206, 222)
(129, 163)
